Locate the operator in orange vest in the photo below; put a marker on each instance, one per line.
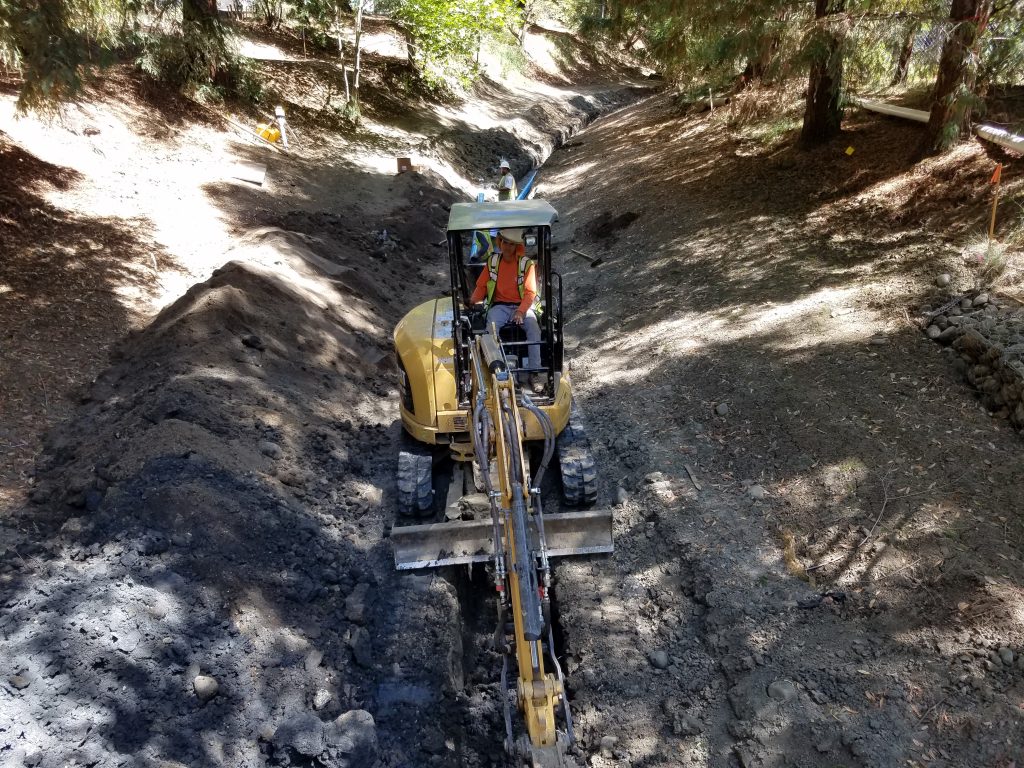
(508, 290)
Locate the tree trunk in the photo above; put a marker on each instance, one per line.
(904, 53)
(822, 114)
(950, 114)
(200, 11)
(358, 51)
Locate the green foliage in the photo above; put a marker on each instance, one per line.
(446, 35)
(36, 37)
(202, 60)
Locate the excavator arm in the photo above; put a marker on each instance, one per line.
(522, 572)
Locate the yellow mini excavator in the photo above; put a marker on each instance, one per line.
(461, 408)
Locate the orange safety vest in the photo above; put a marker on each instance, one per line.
(492, 279)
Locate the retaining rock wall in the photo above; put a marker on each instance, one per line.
(989, 340)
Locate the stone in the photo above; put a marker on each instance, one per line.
(659, 659)
(782, 690)
(966, 303)
(980, 300)
(303, 733)
(273, 450)
(949, 335)
(879, 339)
(321, 698)
(205, 687)
(943, 280)
(20, 682)
(654, 477)
(253, 341)
(313, 659)
(1006, 655)
(362, 647)
(621, 496)
(933, 331)
(757, 493)
(687, 725)
(354, 736)
(355, 604)
(722, 409)
(608, 744)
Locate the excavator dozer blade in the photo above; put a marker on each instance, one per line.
(434, 545)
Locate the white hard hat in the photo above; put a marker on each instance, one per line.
(514, 235)
(504, 163)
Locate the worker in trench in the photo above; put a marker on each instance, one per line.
(507, 189)
(507, 288)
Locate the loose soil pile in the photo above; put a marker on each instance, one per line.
(224, 592)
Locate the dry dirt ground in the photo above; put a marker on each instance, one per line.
(819, 561)
(194, 566)
(818, 554)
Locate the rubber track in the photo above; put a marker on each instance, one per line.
(576, 460)
(415, 484)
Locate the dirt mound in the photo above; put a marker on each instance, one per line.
(221, 579)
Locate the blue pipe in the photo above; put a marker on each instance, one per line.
(527, 184)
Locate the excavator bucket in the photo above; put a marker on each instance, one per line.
(585, 532)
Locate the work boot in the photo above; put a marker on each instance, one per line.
(537, 383)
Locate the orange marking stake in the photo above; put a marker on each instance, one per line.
(996, 179)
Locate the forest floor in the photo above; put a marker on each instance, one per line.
(818, 561)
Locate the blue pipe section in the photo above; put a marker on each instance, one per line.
(527, 184)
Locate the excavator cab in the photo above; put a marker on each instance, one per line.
(434, 344)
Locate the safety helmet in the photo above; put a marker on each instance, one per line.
(504, 163)
(513, 235)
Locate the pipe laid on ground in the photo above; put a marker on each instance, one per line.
(1002, 137)
(996, 135)
(917, 115)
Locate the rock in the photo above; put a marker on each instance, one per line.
(949, 335)
(933, 331)
(253, 341)
(782, 690)
(313, 659)
(722, 409)
(966, 303)
(353, 736)
(980, 300)
(687, 725)
(659, 659)
(943, 280)
(205, 687)
(321, 698)
(20, 682)
(879, 339)
(273, 450)
(355, 604)
(362, 647)
(621, 496)
(608, 744)
(303, 733)
(757, 493)
(1006, 656)
(654, 477)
